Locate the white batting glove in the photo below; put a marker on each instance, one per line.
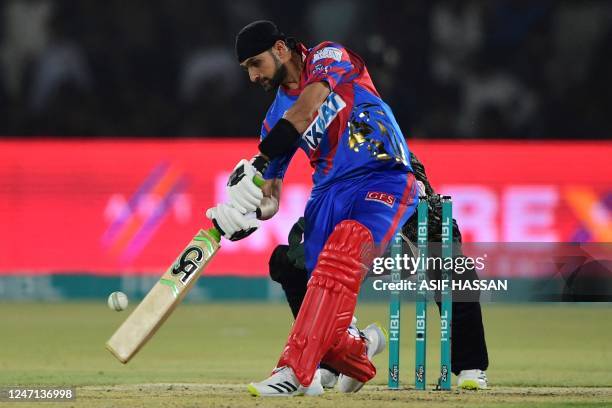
(231, 223)
(243, 193)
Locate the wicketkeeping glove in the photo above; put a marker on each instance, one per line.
(243, 193)
(231, 223)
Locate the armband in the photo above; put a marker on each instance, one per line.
(280, 140)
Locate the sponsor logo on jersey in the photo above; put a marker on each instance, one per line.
(327, 113)
(319, 69)
(386, 199)
(328, 52)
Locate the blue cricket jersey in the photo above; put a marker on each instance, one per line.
(354, 131)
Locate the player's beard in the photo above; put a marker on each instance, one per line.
(280, 73)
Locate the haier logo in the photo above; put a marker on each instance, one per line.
(328, 53)
(327, 113)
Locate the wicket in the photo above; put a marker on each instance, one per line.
(394, 319)
(444, 381)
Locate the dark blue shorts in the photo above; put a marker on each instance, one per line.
(382, 202)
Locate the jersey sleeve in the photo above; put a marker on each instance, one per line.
(278, 166)
(329, 62)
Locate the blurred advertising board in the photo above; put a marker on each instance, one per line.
(128, 207)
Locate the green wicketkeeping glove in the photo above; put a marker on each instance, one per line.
(295, 253)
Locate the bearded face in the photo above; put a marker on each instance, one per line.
(266, 69)
(280, 73)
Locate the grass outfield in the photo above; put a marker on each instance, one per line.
(541, 355)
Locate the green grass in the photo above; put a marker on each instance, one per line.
(543, 355)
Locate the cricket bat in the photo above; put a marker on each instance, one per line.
(165, 296)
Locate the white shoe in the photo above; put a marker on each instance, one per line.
(315, 388)
(284, 383)
(472, 380)
(376, 342)
(328, 378)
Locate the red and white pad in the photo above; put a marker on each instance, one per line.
(330, 301)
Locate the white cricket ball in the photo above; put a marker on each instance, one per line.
(117, 301)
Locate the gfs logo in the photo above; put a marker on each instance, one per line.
(386, 199)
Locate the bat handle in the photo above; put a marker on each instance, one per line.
(213, 232)
(259, 182)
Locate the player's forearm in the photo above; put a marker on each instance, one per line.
(283, 136)
(303, 111)
(299, 118)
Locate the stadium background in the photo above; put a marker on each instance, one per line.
(121, 120)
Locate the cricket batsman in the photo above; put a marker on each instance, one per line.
(363, 191)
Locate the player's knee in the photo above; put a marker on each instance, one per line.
(347, 254)
(279, 263)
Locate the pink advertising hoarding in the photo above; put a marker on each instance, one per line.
(111, 207)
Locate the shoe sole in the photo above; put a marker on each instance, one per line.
(311, 393)
(299, 393)
(470, 385)
(253, 391)
(384, 331)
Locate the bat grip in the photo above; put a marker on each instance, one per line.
(213, 232)
(259, 182)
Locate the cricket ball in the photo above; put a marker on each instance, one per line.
(117, 301)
